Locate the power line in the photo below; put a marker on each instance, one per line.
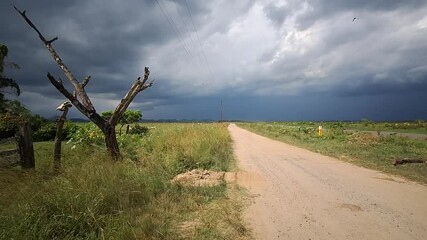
(185, 24)
(172, 24)
(175, 29)
(191, 37)
(198, 39)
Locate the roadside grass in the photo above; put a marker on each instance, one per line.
(95, 198)
(7, 144)
(363, 149)
(418, 127)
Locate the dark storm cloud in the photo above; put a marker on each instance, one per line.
(250, 53)
(372, 88)
(314, 107)
(106, 41)
(92, 36)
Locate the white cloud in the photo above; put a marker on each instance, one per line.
(249, 53)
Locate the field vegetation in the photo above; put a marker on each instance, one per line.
(418, 127)
(95, 198)
(361, 148)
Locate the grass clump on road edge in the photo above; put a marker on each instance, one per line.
(94, 198)
(363, 149)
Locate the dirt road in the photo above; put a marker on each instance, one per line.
(305, 195)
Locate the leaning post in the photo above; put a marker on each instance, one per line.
(58, 138)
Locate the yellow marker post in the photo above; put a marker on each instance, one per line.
(320, 131)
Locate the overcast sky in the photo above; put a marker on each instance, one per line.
(266, 60)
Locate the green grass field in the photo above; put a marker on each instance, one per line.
(95, 198)
(418, 127)
(364, 149)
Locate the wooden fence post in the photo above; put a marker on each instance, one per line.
(58, 138)
(25, 146)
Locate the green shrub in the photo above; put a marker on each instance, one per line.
(139, 130)
(37, 122)
(47, 131)
(90, 135)
(87, 134)
(69, 130)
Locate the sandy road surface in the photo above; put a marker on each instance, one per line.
(305, 195)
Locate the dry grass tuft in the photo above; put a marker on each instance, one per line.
(94, 198)
(364, 139)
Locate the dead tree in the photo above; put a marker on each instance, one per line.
(82, 102)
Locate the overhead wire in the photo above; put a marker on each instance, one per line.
(175, 29)
(173, 26)
(203, 67)
(191, 37)
(203, 60)
(198, 40)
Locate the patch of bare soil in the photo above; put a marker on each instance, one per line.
(224, 215)
(199, 177)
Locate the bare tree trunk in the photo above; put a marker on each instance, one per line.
(111, 142)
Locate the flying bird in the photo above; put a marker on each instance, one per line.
(354, 19)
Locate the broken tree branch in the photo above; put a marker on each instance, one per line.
(406, 160)
(85, 81)
(77, 86)
(52, 40)
(93, 116)
(137, 87)
(145, 86)
(22, 13)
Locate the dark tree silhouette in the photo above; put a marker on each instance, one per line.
(82, 102)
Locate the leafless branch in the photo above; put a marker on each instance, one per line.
(52, 40)
(145, 86)
(137, 87)
(31, 24)
(77, 86)
(73, 99)
(85, 81)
